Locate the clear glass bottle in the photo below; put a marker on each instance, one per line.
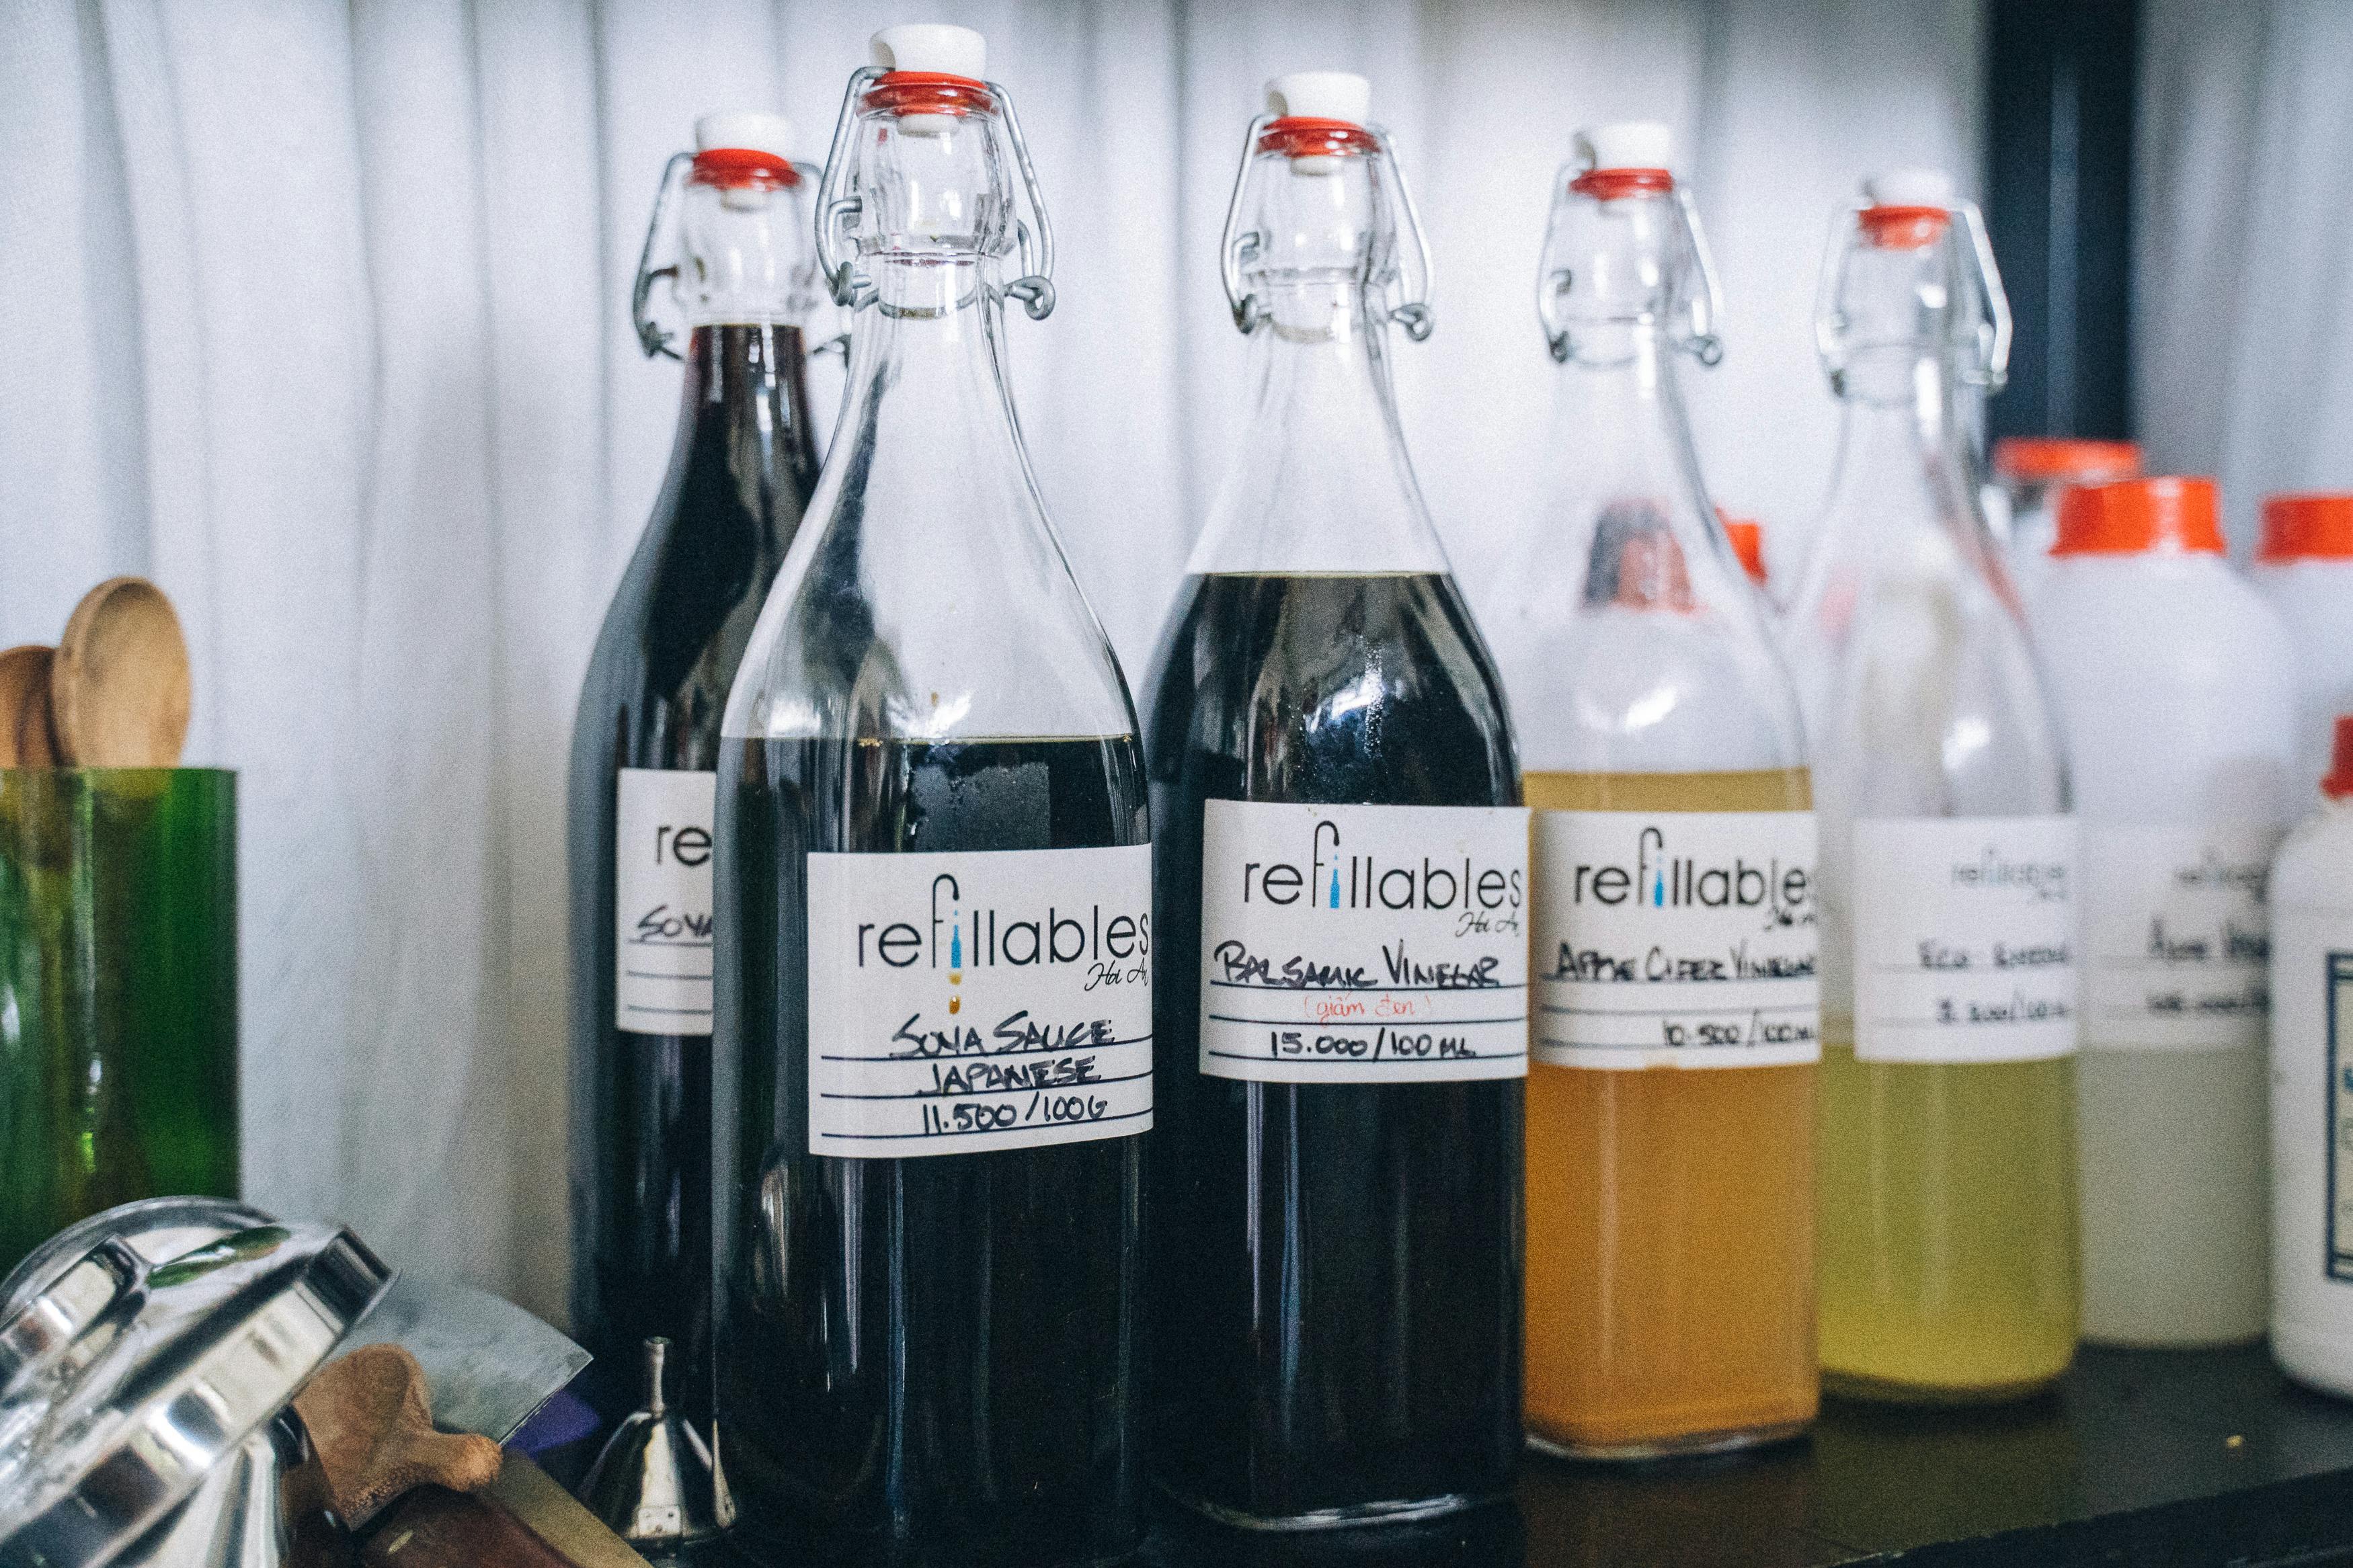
(1335, 1186)
(1670, 1102)
(646, 738)
(935, 1038)
(1948, 1214)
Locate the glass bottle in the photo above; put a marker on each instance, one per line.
(935, 1032)
(1671, 1103)
(646, 738)
(1947, 1216)
(1335, 1186)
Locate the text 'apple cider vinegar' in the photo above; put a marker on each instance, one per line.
(1341, 908)
(1949, 885)
(1671, 1101)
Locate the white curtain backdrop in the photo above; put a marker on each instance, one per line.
(2243, 311)
(320, 319)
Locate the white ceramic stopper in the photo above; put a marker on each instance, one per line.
(1321, 95)
(1626, 145)
(749, 128)
(932, 46)
(1909, 188)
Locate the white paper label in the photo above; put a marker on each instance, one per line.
(1963, 938)
(1675, 938)
(662, 884)
(2336, 1012)
(963, 1001)
(2177, 935)
(1363, 943)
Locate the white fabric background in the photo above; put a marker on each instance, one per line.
(2244, 309)
(321, 319)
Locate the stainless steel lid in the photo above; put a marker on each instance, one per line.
(157, 1229)
(123, 1381)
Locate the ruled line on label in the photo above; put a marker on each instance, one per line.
(1037, 1050)
(1369, 990)
(981, 1132)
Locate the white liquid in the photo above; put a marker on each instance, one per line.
(2174, 1189)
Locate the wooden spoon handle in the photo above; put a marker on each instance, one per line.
(119, 683)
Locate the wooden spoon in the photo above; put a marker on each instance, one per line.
(119, 684)
(26, 739)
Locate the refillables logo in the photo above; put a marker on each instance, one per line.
(951, 936)
(1328, 876)
(1656, 878)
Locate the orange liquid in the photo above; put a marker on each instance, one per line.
(1671, 1215)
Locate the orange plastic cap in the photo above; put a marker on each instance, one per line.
(2338, 784)
(2134, 516)
(2307, 528)
(1747, 537)
(2038, 459)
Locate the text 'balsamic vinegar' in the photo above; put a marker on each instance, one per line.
(1342, 905)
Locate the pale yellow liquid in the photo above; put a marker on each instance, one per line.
(1947, 1226)
(1671, 1215)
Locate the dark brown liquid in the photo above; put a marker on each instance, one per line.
(656, 687)
(1335, 1266)
(924, 1361)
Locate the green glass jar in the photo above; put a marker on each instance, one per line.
(118, 991)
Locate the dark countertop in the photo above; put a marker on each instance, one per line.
(2139, 1458)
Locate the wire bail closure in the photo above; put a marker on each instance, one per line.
(1405, 289)
(839, 211)
(1704, 306)
(652, 339)
(1991, 338)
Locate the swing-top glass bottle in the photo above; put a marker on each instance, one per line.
(1335, 1186)
(1947, 880)
(1670, 1102)
(934, 1003)
(646, 738)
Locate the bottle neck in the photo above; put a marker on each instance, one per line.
(746, 257)
(736, 364)
(743, 425)
(1321, 482)
(1902, 478)
(928, 598)
(1900, 417)
(1618, 404)
(1324, 371)
(933, 341)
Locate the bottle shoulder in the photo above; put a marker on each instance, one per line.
(867, 633)
(2174, 681)
(2313, 868)
(1609, 688)
(1330, 687)
(2159, 604)
(928, 598)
